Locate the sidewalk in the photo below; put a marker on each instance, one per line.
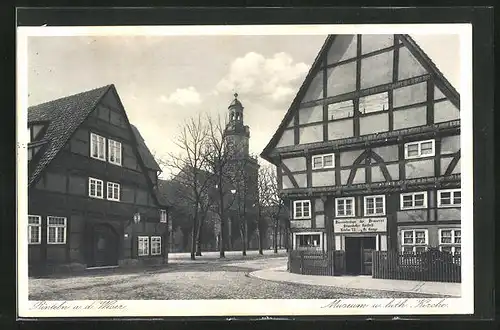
(280, 274)
(214, 256)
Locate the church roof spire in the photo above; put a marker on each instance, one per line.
(236, 102)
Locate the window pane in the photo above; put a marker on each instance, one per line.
(373, 103)
(412, 150)
(340, 110)
(407, 203)
(317, 161)
(328, 160)
(426, 148)
(52, 235)
(419, 199)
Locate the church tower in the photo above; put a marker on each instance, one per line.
(243, 170)
(237, 133)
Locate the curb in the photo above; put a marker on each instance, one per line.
(252, 275)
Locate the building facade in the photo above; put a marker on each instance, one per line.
(369, 152)
(92, 198)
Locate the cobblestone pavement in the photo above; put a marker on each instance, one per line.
(210, 280)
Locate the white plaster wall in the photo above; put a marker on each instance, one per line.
(388, 153)
(445, 111)
(300, 224)
(374, 124)
(360, 176)
(420, 168)
(347, 158)
(377, 175)
(444, 214)
(450, 144)
(341, 79)
(286, 139)
(445, 162)
(301, 180)
(410, 95)
(344, 175)
(411, 117)
(373, 42)
(295, 164)
(320, 221)
(319, 206)
(311, 134)
(456, 170)
(311, 115)
(340, 129)
(287, 184)
(376, 70)
(343, 47)
(315, 89)
(393, 170)
(438, 94)
(408, 65)
(323, 178)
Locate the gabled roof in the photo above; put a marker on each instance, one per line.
(63, 116)
(147, 157)
(407, 41)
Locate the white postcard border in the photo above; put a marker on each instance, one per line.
(253, 307)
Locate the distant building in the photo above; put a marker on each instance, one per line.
(369, 151)
(92, 187)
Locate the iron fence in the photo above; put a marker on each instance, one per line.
(431, 265)
(311, 262)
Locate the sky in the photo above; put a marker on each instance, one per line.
(164, 80)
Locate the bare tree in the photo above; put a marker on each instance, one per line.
(218, 161)
(190, 165)
(271, 206)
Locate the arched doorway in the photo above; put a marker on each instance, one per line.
(105, 245)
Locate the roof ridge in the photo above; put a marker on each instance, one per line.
(72, 95)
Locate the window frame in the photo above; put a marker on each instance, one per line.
(98, 149)
(320, 242)
(343, 199)
(452, 198)
(414, 245)
(156, 238)
(64, 229)
(163, 216)
(374, 206)
(302, 202)
(39, 226)
(419, 149)
(146, 248)
(113, 148)
(91, 179)
(413, 207)
(453, 236)
(113, 184)
(322, 157)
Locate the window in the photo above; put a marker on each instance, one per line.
(308, 241)
(341, 110)
(344, 207)
(375, 205)
(414, 240)
(419, 149)
(155, 245)
(417, 200)
(97, 146)
(56, 230)
(374, 103)
(143, 246)
(450, 240)
(449, 198)
(323, 161)
(95, 188)
(34, 229)
(113, 191)
(115, 152)
(163, 216)
(302, 209)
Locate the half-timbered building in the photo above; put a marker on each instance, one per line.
(92, 199)
(369, 151)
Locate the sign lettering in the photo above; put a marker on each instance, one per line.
(360, 225)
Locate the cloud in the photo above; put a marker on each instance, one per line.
(182, 97)
(276, 78)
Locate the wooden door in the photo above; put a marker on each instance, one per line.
(105, 246)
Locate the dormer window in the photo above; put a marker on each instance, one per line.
(323, 161)
(97, 147)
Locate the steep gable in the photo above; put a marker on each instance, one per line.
(363, 74)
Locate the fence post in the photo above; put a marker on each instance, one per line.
(302, 262)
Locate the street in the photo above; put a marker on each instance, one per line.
(203, 279)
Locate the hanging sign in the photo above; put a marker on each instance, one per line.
(360, 225)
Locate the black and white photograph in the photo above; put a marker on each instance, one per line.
(245, 170)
